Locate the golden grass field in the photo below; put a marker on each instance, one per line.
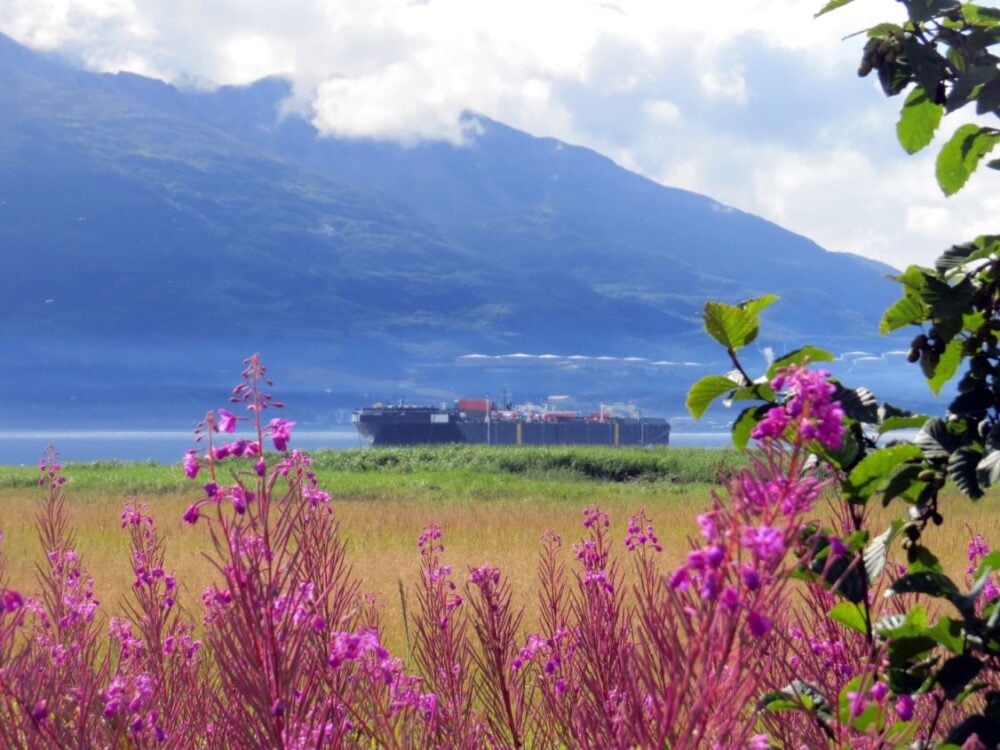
(501, 527)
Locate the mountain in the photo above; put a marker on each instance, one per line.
(153, 236)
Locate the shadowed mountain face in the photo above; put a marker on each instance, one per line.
(151, 237)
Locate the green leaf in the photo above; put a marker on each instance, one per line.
(947, 365)
(745, 422)
(958, 672)
(988, 564)
(913, 623)
(946, 301)
(903, 483)
(962, 465)
(875, 469)
(705, 391)
(735, 326)
(958, 255)
(961, 155)
(755, 392)
(936, 440)
(903, 312)
(858, 404)
(798, 695)
(833, 5)
(918, 120)
(757, 305)
(949, 633)
(969, 85)
(926, 582)
(902, 423)
(924, 10)
(850, 614)
(922, 560)
(797, 357)
(978, 15)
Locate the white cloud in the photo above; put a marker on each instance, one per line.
(662, 111)
(754, 103)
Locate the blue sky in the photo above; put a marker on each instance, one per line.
(753, 102)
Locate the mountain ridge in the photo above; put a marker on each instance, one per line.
(152, 229)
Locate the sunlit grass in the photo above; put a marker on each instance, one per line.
(488, 516)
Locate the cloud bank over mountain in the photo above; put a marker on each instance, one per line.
(752, 101)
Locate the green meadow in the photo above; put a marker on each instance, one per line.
(493, 503)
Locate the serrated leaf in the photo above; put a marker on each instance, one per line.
(888, 411)
(958, 672)
(988, 469)
(903, 312)
(877, 551)
(926, 582)
(979, 15)
(851, 615)
(875, 469)
(797, 357)
(902, 423)
(833, 5)
(969, 85)
(962, 465)
(966, 252)
(935, 440)
(988, 564)
(755, 392)
(947, 301)
(947, 365)
(949, 633)
(960, 156)
(973, 400)
(858, 404)
(757, 305)
(918, 120)
(745, 422)
(903, 483)
(922, 560)
(925, 10)
(705, 391)
(735, 326)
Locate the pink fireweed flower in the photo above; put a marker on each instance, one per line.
(640, 534)
(280, 431)
(858, 702)
(808, 412)
(191, 465)
(192, 514)
(227, 421)
(11, 601)
(758, 624)
(766, 543)
(260, 467)
(485, 573)
(879, 691)
(904, 707)
(593, 516)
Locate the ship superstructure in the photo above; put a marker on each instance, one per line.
(484, 421)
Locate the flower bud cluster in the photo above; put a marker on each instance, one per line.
(808, 413)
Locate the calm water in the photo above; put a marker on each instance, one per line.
(26, 447)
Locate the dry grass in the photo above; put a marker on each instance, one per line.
(381, 533)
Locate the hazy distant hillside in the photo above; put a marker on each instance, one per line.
(152, 236)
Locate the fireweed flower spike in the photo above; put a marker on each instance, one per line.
(808, 413)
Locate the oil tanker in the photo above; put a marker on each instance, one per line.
(482, 421)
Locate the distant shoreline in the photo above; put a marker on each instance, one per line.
(26, 447)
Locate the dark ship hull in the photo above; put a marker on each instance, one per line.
(421, 425)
